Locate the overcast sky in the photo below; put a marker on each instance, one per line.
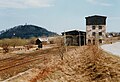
(58, 15)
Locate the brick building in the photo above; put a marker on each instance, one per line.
(95, 29)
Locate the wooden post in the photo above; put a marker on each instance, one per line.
(84, 39)
(65, 41)
(79, 39)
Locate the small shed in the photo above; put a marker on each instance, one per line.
(39, 43)
(74, 38)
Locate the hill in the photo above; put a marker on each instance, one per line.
(26, 31)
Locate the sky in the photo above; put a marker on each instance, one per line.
(58, 15)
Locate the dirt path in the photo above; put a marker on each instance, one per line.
(14, 65)
(113, 48)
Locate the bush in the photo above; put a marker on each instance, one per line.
(56, 40)
(5, 48)
(32, 40)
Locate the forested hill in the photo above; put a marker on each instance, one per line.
(26, 31)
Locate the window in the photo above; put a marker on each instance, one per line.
(93, 33)
(93, 41)
(93, 27)
(89, 41)
(100, 41)
(100, 27)
(100, 33)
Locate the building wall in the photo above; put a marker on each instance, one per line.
(72, 40)
(94, 33)
(75, 38)
(95, 29)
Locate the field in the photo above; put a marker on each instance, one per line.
(57, 63)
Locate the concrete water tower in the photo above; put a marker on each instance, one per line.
(95, 29)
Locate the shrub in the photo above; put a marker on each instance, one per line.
(5, 48)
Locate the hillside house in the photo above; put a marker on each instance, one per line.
(74, 38)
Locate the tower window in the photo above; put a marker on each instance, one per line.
(93, 27)
(100, 33)
(100, 41)
(93, 41)
(100, 27)
(93, 33)
(89, 41)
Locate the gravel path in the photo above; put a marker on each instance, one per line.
(112, 48)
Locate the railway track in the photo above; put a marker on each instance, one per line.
(10, 60)
(16, 63)
(9, 63)
(12, 66)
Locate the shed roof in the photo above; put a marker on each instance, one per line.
(43, 39)
(74, 32)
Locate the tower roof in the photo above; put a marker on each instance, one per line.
(96, 20)
(96, 16)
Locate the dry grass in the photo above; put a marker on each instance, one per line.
(10, 44)
(78, 64)
(112, 40)
(83, 64)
